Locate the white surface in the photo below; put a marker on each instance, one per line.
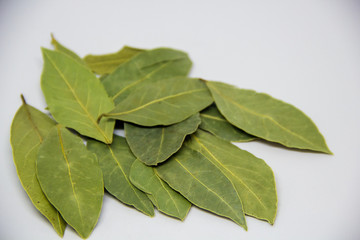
(304, 52)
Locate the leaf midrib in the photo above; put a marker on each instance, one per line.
(147, 76)
(161, 144)
(93, 121)
(155, 101)
(209, 189)
(212, 117)
(28, 114)
(69, 173)
(171, 197)
(112, 61)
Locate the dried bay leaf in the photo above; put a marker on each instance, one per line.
(153, 145)
(202, 183)
(163, 197)
(252, 177)
(115, 161)
(107, 63)
(263, 116)
(163, 102)
(75, 96)
(150, 65)
(28, 130)
(212, 121)
(71, 179)
(61, 48)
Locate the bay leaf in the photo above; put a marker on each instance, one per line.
(115, 161)
(28, 130)
(61, 48)
(71, 179)
(150, 65)
(163, 102)
(153, 145)
(202, 183)
(212, 121)
(107, 63)
(252, 177)
(75, 96)
(263, 116)
(163, 197)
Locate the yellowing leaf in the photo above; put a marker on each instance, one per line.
(163, 102)
(148, 66)
(163, 197)
(202, 183)
(115, 161)
(28, 130)
(263, 116)
(71, 179)
(153, 145)
(75, 97)
(107, 63)
(252, 177)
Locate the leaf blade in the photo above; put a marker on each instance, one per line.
(70, 105)
(163, 102)
(61, 48)
(205, 186)
(25, 155)
(164, 198)
(150, 65)
(71, 179)
(252, 177)
(212, 121)
(107, 63)
(280, 122)
(156, 144)
(115, 161)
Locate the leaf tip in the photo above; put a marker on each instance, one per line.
(325, 149)
(245, 227)
(328, 151)
(53, 40)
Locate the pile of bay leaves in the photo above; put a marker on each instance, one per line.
(177, 150)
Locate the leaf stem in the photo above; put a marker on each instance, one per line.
(99, 118)
(23, 99)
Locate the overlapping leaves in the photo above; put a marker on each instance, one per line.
(177, 149)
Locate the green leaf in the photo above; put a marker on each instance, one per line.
(28, 130)
(163, 197)
(252, 177)
(115, 161)
(153, 145)
(163, 102)
(161, 63)
(60, 48)
(107, 63)
(75, 97)
(212, 121)
(263, 116)
(202, 183)
(71, 179)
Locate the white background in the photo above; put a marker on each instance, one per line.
(304, 52)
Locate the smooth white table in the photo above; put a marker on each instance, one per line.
(303, 52)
